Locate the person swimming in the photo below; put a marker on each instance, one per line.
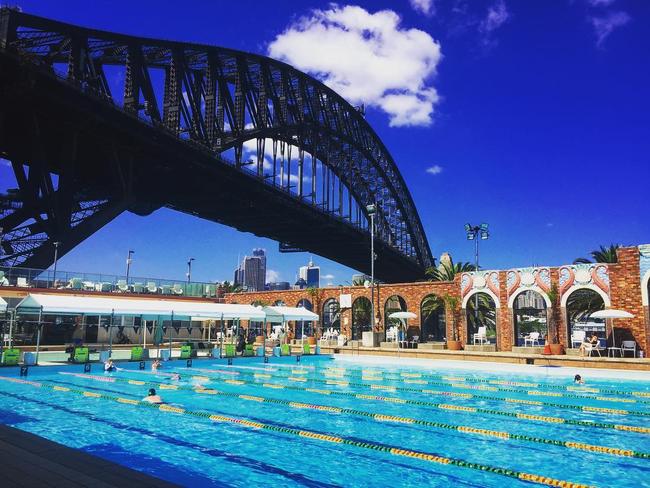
(176, 377)
(152, 397)
(155, 365)
(109, 367)
(578, 379)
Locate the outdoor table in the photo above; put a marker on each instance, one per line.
(611, 349)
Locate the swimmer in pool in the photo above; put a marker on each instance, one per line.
(152, 397)
(176, 377)
(578, 380)
(155, 365)
(109, 367)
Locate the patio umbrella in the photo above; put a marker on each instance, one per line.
(611, 314)
(402, 316)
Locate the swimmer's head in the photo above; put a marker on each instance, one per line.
(152, 391)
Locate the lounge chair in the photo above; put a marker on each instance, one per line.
(186, 351)
(577, 338)
(76, 284)
(152, 287)
(10, 357)
(166, 290)
(177, 289)
(533, 338)
(122, 286)
(3, 279)
(138, 288)
(137, 353)
(80, 355)
(481, 336)
(628, 346)
(104, 286)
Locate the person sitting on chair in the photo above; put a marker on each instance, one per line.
(593, 341)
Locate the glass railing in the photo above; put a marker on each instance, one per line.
(106, 283)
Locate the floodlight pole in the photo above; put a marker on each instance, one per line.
(476, 233)
(128, 265)
(189, 270)
(371, 209)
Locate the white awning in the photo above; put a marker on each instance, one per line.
(3, 305)
(89, 305)
(285, 314)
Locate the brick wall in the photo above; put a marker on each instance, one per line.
(625, 293)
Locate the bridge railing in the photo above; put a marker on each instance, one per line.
(107, 283)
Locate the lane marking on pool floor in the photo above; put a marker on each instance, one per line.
(465, 429)
(391, 388)
(320, 436)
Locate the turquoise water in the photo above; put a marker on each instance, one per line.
(316, 423)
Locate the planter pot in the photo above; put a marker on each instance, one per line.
(547, 349)
(454, 345)
(556, 349)
(311, 341)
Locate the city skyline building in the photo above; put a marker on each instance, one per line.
(311, 274)
(251, 272)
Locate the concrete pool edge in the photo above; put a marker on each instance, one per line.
(497, 367)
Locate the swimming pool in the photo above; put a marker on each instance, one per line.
(323, 422)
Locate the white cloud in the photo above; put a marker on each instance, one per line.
(434, 170)
(426, 7)
(606, 24)
(367, 58)
(600, 3)
(327, 277)
(497, 15)
(272, 276)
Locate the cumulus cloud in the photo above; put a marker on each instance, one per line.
(272, 276)
(327, 277)
(434, 170)
(606, 24)
(497, 15)
(426, 7)
(368, 58)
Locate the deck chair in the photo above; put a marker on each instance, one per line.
(285, 350)
(177, 289)
(229, 350)
(577, 337)
(136, 353)
(122, 286)
(532, 338)
(306, 349)
(138, 288)
(186, 351)
(80, 355)
(166, 290)
(628, 346)
(589, 348)
(76, 284)
(10, 357)
(3, 279)
(481, 335)
(104, 286)
(152, 287)
(248, 350)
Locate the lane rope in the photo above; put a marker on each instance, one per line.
(310, 434)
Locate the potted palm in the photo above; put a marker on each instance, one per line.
(552, 345)
(455, 344)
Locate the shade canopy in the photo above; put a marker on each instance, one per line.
(402, 315)
(611, 314)
(284, 314)
(86, 305)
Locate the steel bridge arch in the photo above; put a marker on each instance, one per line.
(219, 98)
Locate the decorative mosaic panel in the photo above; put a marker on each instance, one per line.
(523, 279)
(596, 274)
(477, 281)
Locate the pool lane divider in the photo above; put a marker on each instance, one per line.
(391, 388)
(472, 379)
(443, 406)
(394, 419)
(315, 435)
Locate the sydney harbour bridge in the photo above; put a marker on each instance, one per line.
(95, 123)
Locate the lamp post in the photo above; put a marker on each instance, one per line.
(189, 270)
(372, 210)
(56, 258)
(128, 265)
(476, 233)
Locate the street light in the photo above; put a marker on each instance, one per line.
(189, 269)
(372, 210)
(128, 264)
(56, 258)
(476, 233)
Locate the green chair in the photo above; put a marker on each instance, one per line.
(10, 357)
(137, 353)
(186, 351)
(248, 350)
(76, 284)
(306, 349)
(80, 355)
(285, 350)
(229, 350)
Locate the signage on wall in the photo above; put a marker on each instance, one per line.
(345, 301)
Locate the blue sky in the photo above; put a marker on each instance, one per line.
(531, 116)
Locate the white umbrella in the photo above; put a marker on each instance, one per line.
(402, 316)
(612, 314)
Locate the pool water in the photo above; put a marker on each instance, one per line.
(323, 422)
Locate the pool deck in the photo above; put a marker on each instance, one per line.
(29, 460)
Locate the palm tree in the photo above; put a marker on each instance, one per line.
(602, 255)
(447, 271)
(227, 287)
(486, 315)
(452, 303)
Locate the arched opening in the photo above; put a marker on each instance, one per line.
(481, 312)
(331, 315)
(530, 319)
(394, 303)
(361, 312)
(304, 328)
(580, 304)
(432, 312)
